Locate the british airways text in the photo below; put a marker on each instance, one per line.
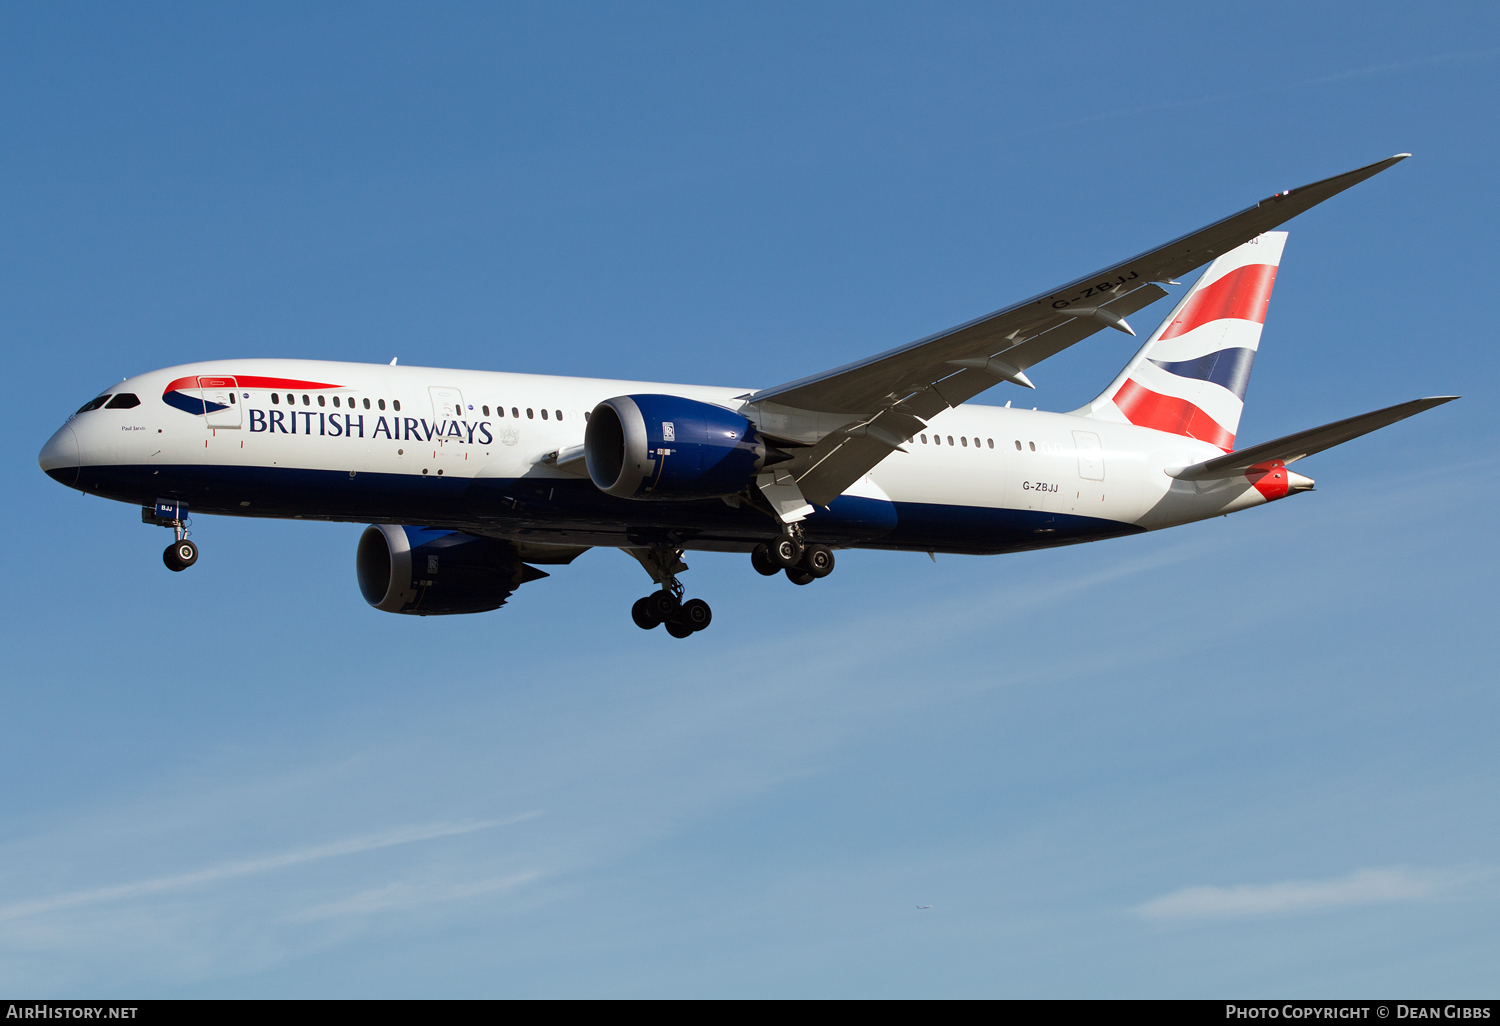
(411, 429)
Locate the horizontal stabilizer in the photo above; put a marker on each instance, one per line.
(1305, 443)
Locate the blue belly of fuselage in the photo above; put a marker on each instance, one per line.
(571, 511)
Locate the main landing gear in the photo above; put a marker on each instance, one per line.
(663, 607)
(666, 606)
(801, 563)
(172, 514)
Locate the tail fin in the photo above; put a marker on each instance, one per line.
(1190, 376)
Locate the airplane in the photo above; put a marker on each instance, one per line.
(473, 480)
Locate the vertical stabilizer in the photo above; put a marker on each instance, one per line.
(1190, 376)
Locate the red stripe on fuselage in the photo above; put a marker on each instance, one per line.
(1145, 408)
(249, 381)
(1243, 294)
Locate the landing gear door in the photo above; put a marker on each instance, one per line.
(222, 406)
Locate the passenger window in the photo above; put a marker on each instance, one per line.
(965, 440)
(305, 400)
(585, 416)
(514, 412)
(544, 414)
(276, 398)
(950, 439)
(396, 405)
(529, 414)
(559, 414)
(381, 404)
(322, 401)
(937, 439)
(93, 404)
(923, 438)
(499, 411)
(291, 400)
(1018, 445)
(486, 410)
(367, 404)
(1033, 446)
(991, 441)
(336, 402)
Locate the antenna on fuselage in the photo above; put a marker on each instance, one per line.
(393, 361)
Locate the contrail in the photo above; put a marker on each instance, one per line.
(1338, 76)
(249, 867)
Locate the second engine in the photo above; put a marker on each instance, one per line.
(671, 448)
(428, 571)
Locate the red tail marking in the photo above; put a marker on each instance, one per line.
(1269, 479)
(1243, 293)
(1145, 408)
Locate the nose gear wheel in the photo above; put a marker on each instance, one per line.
(180, 555)
(173, 515)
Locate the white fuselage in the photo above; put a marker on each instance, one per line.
(469, 450)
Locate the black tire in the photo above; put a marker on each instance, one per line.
(818, 560)
(797, 575)
(678, 629)
(663, 605)
(643, 615)
(760, 558)
(180, 555)
(695, 614)
(785, 552)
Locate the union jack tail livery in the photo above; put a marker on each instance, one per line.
(1190, 376)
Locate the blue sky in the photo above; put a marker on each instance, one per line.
(1253, 756)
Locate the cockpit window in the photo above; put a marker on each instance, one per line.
(92, 404)
(123, 401)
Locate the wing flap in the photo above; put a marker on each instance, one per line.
(838, 462)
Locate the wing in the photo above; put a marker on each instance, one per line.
(847, 420)
(1305, 443)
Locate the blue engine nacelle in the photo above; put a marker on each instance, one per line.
(667, 447)
(428, 571)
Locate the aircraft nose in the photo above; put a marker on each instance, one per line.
(59, 457)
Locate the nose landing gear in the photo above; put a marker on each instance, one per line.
(170, 513)
(666, 607)
(180, 555)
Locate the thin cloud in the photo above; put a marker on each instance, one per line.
(397, 896)
(250, 867)
(1362, 887)
(1307, 83)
